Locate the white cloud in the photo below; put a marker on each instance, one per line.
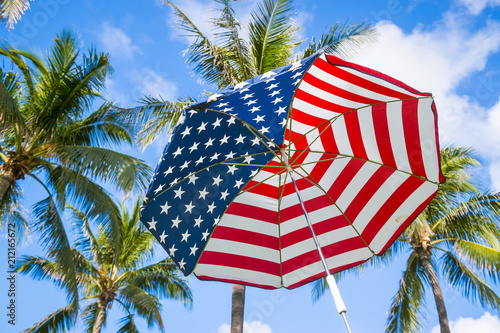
(248, 327)
(477, 6)
(150, 82)
(437, 60)
(117, 42)
(485, 324)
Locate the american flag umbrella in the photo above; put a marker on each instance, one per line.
(298, 173)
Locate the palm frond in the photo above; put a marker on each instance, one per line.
(89, 316)
(145, 305)
(12, 213)
(11, 11)
(483, 258)
(85, 241)
(54, 239)
(61, 320)
(472, 287)
(408, 302)
(128, 325)
(14, 56)
(271, 34)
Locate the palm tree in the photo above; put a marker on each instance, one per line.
(109, 273)
(49, 133)
(229, 58)
(456, 236)
(12, 10)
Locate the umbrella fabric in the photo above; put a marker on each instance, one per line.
(364, 151)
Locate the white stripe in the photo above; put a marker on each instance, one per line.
(365, 116)
(324, 94)
(427, 132)
(249, 224)
(339, 130)
(232, 273)
(309, 108)
(408, 207)
(332, 262)
(316, 216)
(396, 133)
(242, 249)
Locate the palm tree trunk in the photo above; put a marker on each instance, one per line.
(100, 319)
(7, 179)
(438, 295)
(237, 308)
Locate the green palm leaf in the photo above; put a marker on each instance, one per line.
(60, 320)
(146, 305)
(128, 325)
(12, 10)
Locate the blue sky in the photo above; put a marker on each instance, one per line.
(450, 48)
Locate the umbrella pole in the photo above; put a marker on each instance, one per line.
(337, 298)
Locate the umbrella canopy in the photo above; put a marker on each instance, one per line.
(362, 147)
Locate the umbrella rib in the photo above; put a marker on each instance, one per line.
(313, 181)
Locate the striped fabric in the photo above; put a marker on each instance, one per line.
(364, 150)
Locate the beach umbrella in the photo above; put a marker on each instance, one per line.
(293, 175)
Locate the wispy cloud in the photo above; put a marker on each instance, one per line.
(117, 42)
(248, 327)
(477, 6)
(484, 324)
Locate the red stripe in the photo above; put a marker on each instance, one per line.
(367, 192)
(320, 228)
(381, 127)
(262, 189)
(327, 138)
(337, 61)
(397, 198)
(354, 134)
(323, 274)
(245, 236)
(344, 178)
(334, 90)
(310, 205)
(237, 261)
(209, 278)
(306, 118)
(312, 256)
(319, 102)
(412, 137)
(321, 167)
(253, 212)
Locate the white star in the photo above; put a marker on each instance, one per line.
(222, 104)
(247, 96)
(211, 208)
(232, 169)
(217, 123)
(280, 110)
(193, 250)
(193, 147)
(205, 235)
(192, 179)
(169, 171)
(162, 237)
(272, 86)
(185, 165)
(239, 183)
(296, 65)
(174, 182)
(214, 157)
(255, 108)
(191, 112)
(203, 193)
(202, 126)
(267, 75)
(296, 75)
(152, 224)
(182, 263)
(159, 188)
(231, 121)
(178, 151)
(217, 180)
(277, 100)
(264, 130)
(209, 143)
(250, 102)
(255, 141)
(254, 172)
(172, 250)
(185, 236)
(214, 97)
(283, 122)
(200, 160)
(248, 159)
(240, 85)
(227, 109)
(224, 139)
(176, 221)
(164, 208)
(240, 139)
(259, 119)
(189, 207)
(224, 195)
(230, 155)
(216, 221)
(276, 92)
(296, 82)
(179, 193)
(187, 131)
(198, 221)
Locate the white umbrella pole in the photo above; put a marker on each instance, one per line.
(339, 303)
